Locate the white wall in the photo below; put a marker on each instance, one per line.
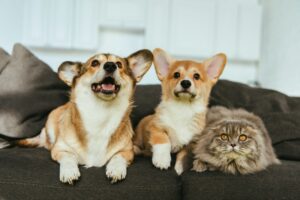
(193, 29)
(11, 13)
(196, 29)
(280, 66)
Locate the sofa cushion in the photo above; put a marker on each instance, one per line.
(146, 98)
(29, 90)
(277, 182)
(31, 174)
(280, 113)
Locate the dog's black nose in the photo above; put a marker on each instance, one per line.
(110, 67)
(185, 84)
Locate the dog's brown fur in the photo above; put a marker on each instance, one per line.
(94, 128)
(163, 130)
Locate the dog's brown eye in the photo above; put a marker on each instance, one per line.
(196, 76)
(224, 136)
(243, 138)
(176, 75)
(95, 63)
(119, 64)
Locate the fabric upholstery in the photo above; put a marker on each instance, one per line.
(31, 174)
(29, 90)
(277, 182)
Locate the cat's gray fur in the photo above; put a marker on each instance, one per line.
(212, 153)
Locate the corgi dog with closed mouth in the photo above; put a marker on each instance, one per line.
(93, 128)
(186, 87)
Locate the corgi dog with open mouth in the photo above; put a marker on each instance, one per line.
(186, 87)
(94, 127)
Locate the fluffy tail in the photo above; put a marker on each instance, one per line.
(37, 141)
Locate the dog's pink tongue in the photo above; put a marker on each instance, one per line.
(108, 86)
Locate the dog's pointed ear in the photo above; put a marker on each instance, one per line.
(162, 62)
(214, 66)
(68, 70)
(140, 62)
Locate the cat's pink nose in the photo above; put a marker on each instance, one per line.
(233, 145)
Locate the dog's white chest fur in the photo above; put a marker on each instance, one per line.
(101, 120)
(180, 120)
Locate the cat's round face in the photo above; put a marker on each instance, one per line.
(234, 139)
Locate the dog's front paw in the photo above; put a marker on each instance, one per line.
(69, 173)
(161, 157)
(116, 169)
(199, 166)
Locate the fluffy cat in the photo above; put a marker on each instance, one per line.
(233, 141)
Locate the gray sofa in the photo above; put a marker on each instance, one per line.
(27, 173)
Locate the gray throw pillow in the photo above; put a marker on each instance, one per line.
(29, 90)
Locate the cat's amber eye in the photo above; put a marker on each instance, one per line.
(224, 136)
(243, 138)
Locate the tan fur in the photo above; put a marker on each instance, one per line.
(71, 132)
(153, 129)
(68, 124)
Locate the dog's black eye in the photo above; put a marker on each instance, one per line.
(196, 76)
(176, 75)
(119, 64)
(95, 63)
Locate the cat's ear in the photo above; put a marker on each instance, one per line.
(214, 66)
(162, 62)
